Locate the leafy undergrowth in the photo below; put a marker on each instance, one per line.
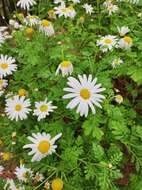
(101, 151)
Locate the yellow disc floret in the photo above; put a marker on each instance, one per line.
(18, 107)
(22, 92)
(43, 108)
(85, 93)
(108, 41)
(57, 184)
(44, 146)
(128, 39)
(4, 66)
(45, 23)
(65, 64)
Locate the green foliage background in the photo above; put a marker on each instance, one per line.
(103, 151)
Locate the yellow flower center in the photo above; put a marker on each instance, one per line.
(128, 39)
(29, 31)
(24, 174)
(44, 146)
(71, 8)
(43, 108)
(65, 64)
(64, 10)
(6, 156)
(108, 41)
(18, 107)
(22, 92)
(45, 23)
(4, 66)
(31, 17)
(57, 184)
(119, 98)
(85, 94)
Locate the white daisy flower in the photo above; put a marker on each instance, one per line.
(123, 30)
(38, 177)
(71, 12)
(84, 93)
(26, 4)
(125, 43)
(7, 66)
(88, 8)
(43, 109)
(17, 107)
(42, 146)
(116, 62)
(31, 20)
(118, 98)
(110, 7)
(46, 27)
(107, 42)
(2, 39)
(3, 83)
(23, 173)
(1, 169)
(65, 67)
(62, 10)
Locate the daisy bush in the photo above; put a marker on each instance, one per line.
(71, 95)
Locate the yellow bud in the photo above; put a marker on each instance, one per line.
(82, 19)
(29, 32)
(21, 161)
(6, 156)
(22, 92)
(57, 184)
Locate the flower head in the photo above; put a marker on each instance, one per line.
(26, 4)
(84, 93)
(57, 184)
(23, 173)
(43, 109)
(62, 10)
(119, 99)
(116, 62)
(31, 20)
(88, 8)
(65, 67)
(107, 42)
(125, 43)
(43, 145)
(38, 177)
(7, 66)
(123, 30)
(46, 27)
(17, 107)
